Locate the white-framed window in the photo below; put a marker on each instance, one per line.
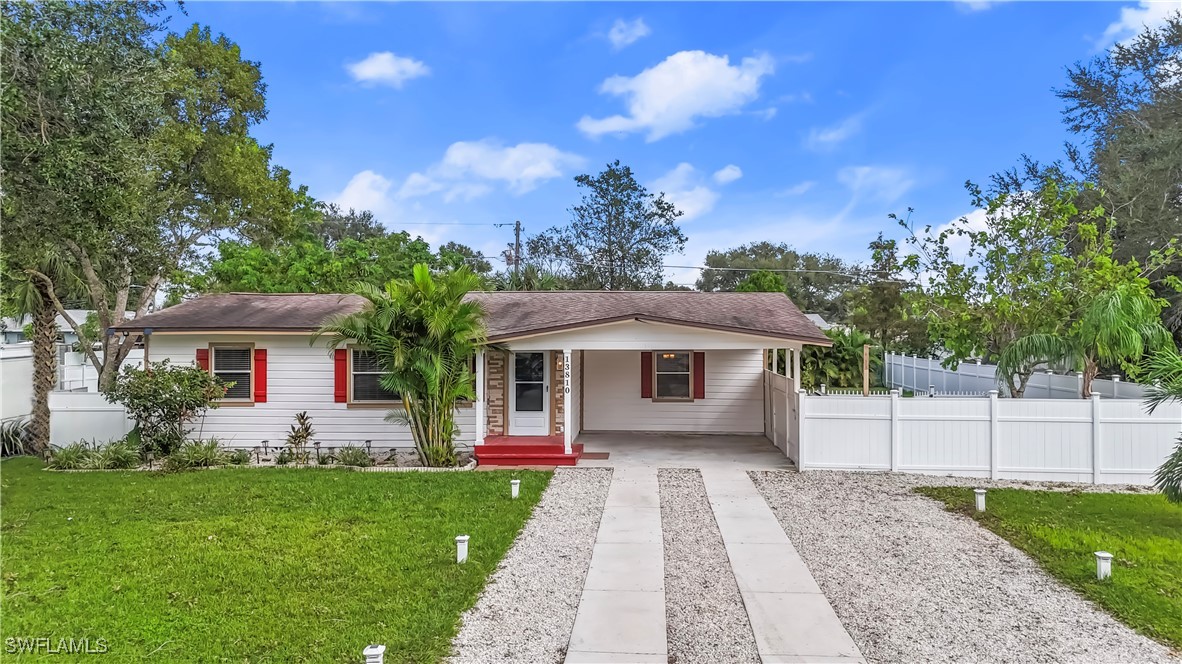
(234, 363)
(365, 379)
(673, 376)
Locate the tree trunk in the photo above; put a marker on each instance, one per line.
(1091, 369)
(44, 369)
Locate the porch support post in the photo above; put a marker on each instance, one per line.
(776, 361)
(796, 368)
(568, 434)
(481, 425)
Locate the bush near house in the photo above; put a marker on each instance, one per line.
(278, 565)
(1063, 530)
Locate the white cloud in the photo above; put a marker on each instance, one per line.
(385, 68)
(625, 33)
(1134, 19)
(469, 167)
(827, 138)
(667, 98)
(727, 174)
(977, 5)
(683, 186)
(877, 183)
(797, 189)
(366, 191)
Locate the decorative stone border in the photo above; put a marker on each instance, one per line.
(471, 465)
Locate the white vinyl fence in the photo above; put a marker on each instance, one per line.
(920, 374)
(1103, 441)
(75, 373)
(88, 416)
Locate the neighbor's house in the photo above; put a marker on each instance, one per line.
(557, 364)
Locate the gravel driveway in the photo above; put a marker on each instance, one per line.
(704, 611)
(912, 582)
(526, 611)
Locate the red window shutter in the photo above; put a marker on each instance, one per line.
(340, 360)
(203, 358)
(646, 375)
(699, 375)
(260, 375)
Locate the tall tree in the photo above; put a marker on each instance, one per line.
(814, 282)
(619, 235)
(990, 284)
(883, 307)
(1126, 108)
(453, 255)
(128, 153)
(337, 225)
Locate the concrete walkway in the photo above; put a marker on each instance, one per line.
(790, 617)
(621, 615)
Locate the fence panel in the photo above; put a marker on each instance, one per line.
(75, 416)
(919, 374)
(1070, 440)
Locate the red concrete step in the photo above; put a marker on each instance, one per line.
(526, 455)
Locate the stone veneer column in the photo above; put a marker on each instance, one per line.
(557, 416)
(494, 391)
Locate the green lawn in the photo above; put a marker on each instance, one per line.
(251, 564)
(1062, 531)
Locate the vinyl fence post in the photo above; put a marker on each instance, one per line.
(1095, 438)
(895, 430)
(994, 452)
(801, 396)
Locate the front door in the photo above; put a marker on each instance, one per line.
(529, 398)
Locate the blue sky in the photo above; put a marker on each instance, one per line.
(795, 122)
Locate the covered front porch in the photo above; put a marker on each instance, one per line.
(693, 395)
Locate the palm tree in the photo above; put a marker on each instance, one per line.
(1165, 374)
(31, 298)
(424, 335)
(840, 365)
(1118, 326)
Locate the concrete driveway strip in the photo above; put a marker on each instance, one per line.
(621, 615)
(791, 619)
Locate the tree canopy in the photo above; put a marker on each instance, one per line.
(618, 236)
(814, 282)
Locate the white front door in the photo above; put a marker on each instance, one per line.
(529, 395)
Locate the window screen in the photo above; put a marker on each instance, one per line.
(367, 373)
(232, 365)
(672, 375)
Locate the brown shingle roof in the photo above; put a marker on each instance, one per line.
(283, 312)
(510, 314)
(514, 313)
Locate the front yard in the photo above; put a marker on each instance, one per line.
(251, 564)
(1062, 530)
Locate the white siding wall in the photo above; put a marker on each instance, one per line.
(16, 374)
(733, 403)
(299, 377)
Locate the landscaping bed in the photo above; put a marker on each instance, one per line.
(280, 565)
(1062, 530)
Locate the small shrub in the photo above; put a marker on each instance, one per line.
(115, 455)
(71, 457)
(238, 457)
(284, 457)
(14, 437)
(195, 454)
(351, 455)
(300, 436)
(326, 460)
(164, 400)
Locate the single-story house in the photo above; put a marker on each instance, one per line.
(557, 364)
